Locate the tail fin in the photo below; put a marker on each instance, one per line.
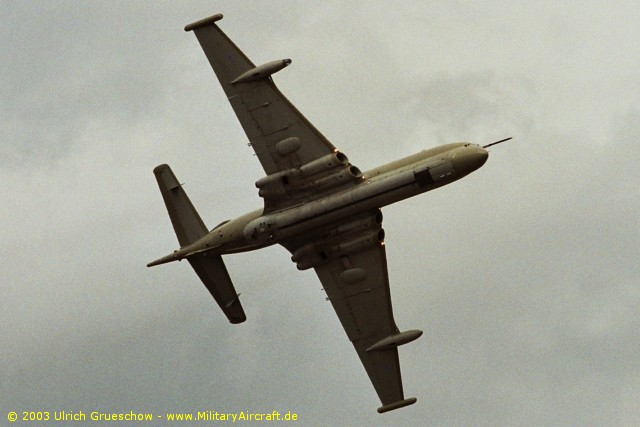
(189, 227)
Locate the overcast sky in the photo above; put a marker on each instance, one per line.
(523, 275)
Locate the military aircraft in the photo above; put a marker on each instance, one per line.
(320, 207)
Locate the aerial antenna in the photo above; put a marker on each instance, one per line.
(497, 142)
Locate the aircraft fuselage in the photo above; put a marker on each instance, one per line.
(382, 186)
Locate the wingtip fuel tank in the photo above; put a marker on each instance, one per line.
(201, 23)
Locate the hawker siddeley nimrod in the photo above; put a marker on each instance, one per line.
(317, 205)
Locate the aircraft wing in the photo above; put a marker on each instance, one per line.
(350, 261)
(282, 138)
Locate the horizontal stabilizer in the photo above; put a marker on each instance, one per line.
(189, 227)
(213, 273)
(186, 221)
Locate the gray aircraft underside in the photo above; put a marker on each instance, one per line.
(320, 207)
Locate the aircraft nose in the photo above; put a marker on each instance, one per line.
(467, 159)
